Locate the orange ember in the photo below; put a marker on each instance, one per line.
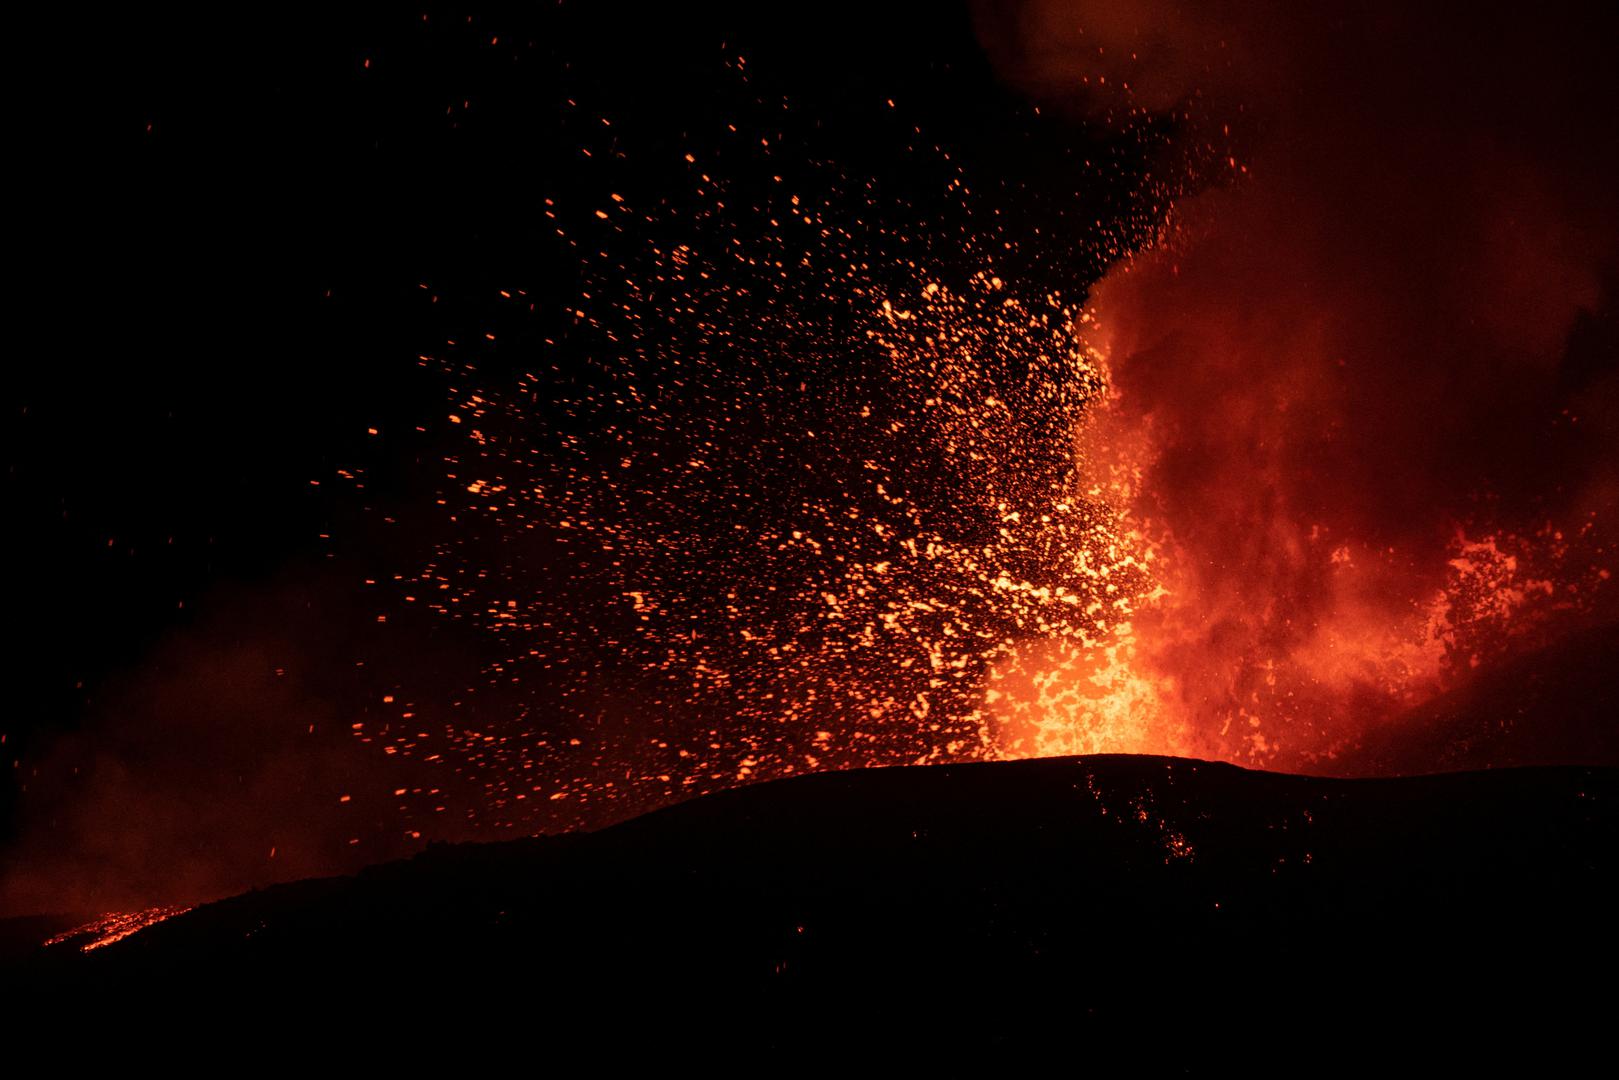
(113, 927)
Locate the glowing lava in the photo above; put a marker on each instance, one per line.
(113, 927)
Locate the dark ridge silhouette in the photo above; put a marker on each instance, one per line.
(1158, 911)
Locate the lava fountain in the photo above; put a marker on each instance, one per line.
(1370, 433)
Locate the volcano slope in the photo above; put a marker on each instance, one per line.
(1153, 909)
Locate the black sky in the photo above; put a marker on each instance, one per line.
(227, 225)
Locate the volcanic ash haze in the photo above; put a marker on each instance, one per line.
(1364, 391)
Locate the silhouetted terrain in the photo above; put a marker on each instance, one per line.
(1161, 911)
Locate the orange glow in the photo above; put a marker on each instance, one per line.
(115, 926)
(1054, 697)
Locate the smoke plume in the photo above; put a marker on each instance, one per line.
(1364, 386)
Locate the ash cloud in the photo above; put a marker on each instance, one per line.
(1380, 328)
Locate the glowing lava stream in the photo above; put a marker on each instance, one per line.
(115, 926)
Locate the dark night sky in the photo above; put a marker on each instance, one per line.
(228, 223)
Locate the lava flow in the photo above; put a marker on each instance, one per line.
(113, 927)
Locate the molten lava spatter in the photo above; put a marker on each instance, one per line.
(802, 479)
(763, 580)
(789, 488)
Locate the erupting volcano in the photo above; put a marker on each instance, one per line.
(1331, 434)
(640, 409)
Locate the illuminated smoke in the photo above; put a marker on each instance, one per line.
(1356, 379)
